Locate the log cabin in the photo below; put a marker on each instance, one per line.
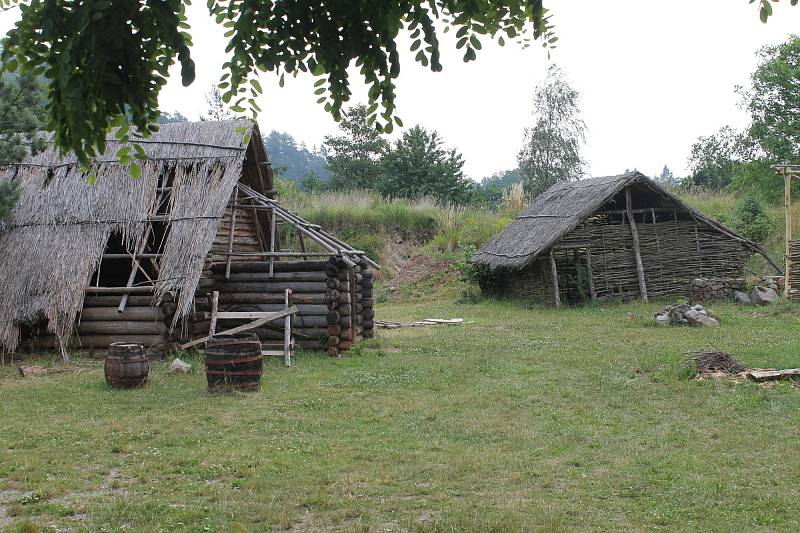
(91, 257)
(614, 237)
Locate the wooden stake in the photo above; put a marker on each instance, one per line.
(554, 271)
(636, 252)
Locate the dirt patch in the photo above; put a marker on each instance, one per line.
(398, 251)
(417, 268)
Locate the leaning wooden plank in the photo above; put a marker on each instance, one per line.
(245, 327)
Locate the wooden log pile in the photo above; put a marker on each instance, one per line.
(330, 296)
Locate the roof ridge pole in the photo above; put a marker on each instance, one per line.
(636, 252)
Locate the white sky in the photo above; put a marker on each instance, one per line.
(653, 77)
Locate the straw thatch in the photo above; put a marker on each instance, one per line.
(563, 207)
(57, 234)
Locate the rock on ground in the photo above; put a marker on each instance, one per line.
(763, 295)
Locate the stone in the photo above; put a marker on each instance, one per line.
(698, 319)
(699, 282)
(179, 366)
(763, 296)
(773, 286)
(662, 319)
(741, 298)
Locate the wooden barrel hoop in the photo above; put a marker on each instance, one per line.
(234, 362)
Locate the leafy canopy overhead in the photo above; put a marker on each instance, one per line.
(107, 60)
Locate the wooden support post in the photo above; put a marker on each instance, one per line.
(214, 309)
(787, 197)
(302, 242)
(590, 273)
(636, 251)
(272, 227)
(287, 331)
(231, 233)
(554, 272)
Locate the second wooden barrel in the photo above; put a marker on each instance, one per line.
(126, 365)
(234, 362)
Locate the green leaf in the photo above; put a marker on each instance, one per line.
(135, 170)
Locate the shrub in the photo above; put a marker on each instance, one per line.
(750, 218)
(476, 277)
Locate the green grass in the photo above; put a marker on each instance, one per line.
(520, 420)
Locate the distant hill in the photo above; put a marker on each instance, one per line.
(293, 160)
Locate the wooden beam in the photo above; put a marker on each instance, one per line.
(119, 290)
(232, 231)
(636, 252)
(131, 256)
(554, 272)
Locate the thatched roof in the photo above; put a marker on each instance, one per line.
(562, 208)
(56, 236)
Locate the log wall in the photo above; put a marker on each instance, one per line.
(334, 300)
(100, 324)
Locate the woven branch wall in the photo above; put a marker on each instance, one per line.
(673, 253)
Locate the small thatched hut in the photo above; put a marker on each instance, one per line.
(134, 260)
(612, 237)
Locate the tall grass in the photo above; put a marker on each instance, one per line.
(463, 226)
(349, 210)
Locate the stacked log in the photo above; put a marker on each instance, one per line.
(329, 315)
(101, 323)
(367, 302)
(345, 309)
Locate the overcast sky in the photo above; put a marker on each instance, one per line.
(653, 76)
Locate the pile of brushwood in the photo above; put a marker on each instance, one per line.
(713, 360)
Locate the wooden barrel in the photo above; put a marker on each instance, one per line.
(126, 365)
(234, 362)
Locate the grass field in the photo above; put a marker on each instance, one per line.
(520, 420)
